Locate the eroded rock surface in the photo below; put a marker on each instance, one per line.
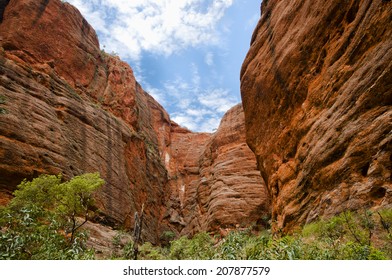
(317, 94)
(216, 180)
(71, 108)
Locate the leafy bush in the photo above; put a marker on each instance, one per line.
(255, 249)
(148, 252)
(362, 236)
(231, 247)
(41, 222)
(197, 248)
(167, 237)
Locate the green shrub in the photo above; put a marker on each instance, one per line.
(349, 235)
(167, 237)
(148, 252)
(256, 247)
(358, 236)
(128, 251)
(232, 246)
(41, 222)
(200, 247)
(286, 248)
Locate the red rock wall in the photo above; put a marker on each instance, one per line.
(215, 179)
(71, 109)
(317, 93)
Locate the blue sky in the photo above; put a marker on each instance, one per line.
(186, 53)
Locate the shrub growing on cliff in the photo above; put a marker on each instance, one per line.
(44, 218)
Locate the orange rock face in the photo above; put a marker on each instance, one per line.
(71, 109)
(317, 95)
(215, 179)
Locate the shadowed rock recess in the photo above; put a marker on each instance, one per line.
(68, 107)
(317, 94)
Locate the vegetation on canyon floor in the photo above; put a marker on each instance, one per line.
(363, 236)
(44, 221)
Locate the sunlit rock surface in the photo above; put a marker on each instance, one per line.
(317, 92)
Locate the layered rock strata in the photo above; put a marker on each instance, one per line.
(317, 93)
(216, 179)
(68, 107)
(71, 108)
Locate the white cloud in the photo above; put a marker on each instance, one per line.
(197, 119)
(201, 111)
(157, 94)
(210, 124)
(194, 105)
(156, 26)
(185, 121)
(133, 28)
(196, 79)
(218, 100)
(209, 59)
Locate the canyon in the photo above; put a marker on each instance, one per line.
(71, 108)
(312, 137)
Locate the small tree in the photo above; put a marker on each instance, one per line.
(74, 199)
(43, 214)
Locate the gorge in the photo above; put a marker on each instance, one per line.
(316, 114)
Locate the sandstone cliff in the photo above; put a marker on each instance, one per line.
(215, 178)
(317, 94)
(71, 108)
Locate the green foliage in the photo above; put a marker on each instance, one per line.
(31, 233)
(128, 251)
(197, 248)
(40, 192)
(148, 252)
(41, 222)
(230, 248)
(167, 237)
(358, 236)
(255, 248)
(286, 248)
(348, 236)
(75, 198)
